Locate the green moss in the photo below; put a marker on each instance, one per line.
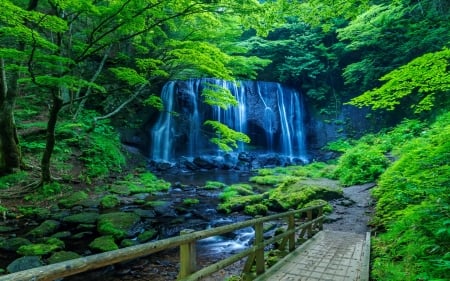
(41, 249)
(234, 190)
(62, 256)
(74, 199)
(117, 224)
(238, 203)
(147, 235)
(35, 212)
(256, 209)
(82, 218)
(13, 244)
(327, 209)
(104, 244)
(109, 201)
(214, 185)
(120, 189)
(190, 201)
(46, 228)
(295, 195)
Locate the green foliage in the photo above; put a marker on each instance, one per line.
(219, 96)
(128, 75)
(235, 190)
(426, 78)
(340, 145)
(361, 164)
(413, 206)
(13, 179)
(227, 138)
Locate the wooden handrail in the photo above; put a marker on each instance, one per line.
(186, 242)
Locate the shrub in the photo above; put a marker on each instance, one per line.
(361, 164)
(413, 207)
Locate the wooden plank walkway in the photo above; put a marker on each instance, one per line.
(328, 256)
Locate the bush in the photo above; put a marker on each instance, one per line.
(361, 164)
(413, 207)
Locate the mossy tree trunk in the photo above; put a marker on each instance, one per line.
(10, 156)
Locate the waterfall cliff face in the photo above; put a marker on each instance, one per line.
(269, 113)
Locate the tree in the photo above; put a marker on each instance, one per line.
(72, 50)
(422, 84)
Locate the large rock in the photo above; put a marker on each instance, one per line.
(82, 218)
(24, 263)
(118, 224)
(46, 228)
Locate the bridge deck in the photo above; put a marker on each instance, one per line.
(328, 256)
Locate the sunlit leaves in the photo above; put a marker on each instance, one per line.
(226, 138)
(128, 75)
(219, 96)
(424, 78)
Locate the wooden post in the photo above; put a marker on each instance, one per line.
(188, 256)
(259, 242)
(291, 226)
(310, 218)
(319, 215)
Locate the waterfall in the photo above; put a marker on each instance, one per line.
(270, 113)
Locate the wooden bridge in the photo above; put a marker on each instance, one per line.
(314, 254)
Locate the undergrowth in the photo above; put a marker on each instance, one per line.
(414, 209)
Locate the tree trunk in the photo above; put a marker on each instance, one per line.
(50, 141)
(10, 156)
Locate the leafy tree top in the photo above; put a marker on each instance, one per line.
(426, 80)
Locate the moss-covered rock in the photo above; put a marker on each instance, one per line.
(295, 195)
(82, 218)
(128, 242)
(41, 249)
(13, 244)
(35, 212)
(104, 244)
(256, 209)
(120, 189)
(117, 224)
(62, 256)
(74, 199)
(147, 235)
(238, 203)
(46, 228)
(109, 201)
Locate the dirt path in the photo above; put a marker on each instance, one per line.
(352, 213)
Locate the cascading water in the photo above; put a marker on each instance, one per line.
(269, 113)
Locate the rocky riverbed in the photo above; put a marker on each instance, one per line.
(81, 226)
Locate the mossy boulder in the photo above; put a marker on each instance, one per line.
(104, 244)
(117, 224)
(74, 199)
(46, 228)
(109, 201)
(82, 218)
(256, 209)
(13, 244)
(295, 195)
(35, 212)
(238, 203)
(41, 249)
(62, 256)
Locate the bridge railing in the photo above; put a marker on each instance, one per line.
(300, 223)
